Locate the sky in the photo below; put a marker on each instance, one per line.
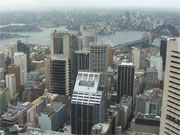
(6, 5)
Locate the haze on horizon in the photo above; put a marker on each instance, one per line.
(18, 5)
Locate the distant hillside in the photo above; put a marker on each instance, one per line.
(16, 28)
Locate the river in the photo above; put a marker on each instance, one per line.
(43, 37)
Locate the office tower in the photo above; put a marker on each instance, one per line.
(60, 76)
(47, 72)
(163, 48)
(88, 36)
(98, 57)
(20, 59)
(21, 47)
(81, 61)
(2, 101)
(9, 52)
(11, 84)
(87, 103)
(2, 62)
(1, 74)
(151, 78)
(110, 57)
(136, 58)
(170, 116)
(156, 61)
(60, 63)
(15, 69)
(125, 81)
(142, 60)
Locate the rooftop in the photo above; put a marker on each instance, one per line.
(87, 82)
(24, 130)
(13, 111)
(86, 90)
(82, 51)
(103, 126)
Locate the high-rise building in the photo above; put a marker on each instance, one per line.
(9, 52)
(170, 117)
(125, 81)
(136, 58)
(1, 74)
(151, 76)
(156, 61)
(2, 101)
(110, 57)
(88, 36)
(15, 69)
(61, 61)
(142, 60)
(163, 48)
(11, 84)
(87, 103)
(21, 47)
(47, 72)
(81, 61)
(20, 59)
(98, 57)
(2, 62)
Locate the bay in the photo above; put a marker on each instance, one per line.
(43, 37)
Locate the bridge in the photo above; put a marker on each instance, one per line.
(131, 44)
(155, 33)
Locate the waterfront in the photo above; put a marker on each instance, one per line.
(43, 38)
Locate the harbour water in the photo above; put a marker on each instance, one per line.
(43, 37)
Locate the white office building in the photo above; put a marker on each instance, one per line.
(170, 117)
(156, 61)
(89, 36)
(20, 59)
(11, 84)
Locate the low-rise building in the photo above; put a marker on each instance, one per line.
(15, 114)
(150, 102)
(146, 124)
(52, 117)
(100, 129)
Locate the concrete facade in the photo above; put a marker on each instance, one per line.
(170, 118)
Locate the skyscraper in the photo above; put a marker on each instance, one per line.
(88, 36)
(87, 103)
(110, 57)
(11, 84)
(81, 61)
(62, 46)
(151, 76)
(15, 69)
(163, 48)
(170, 117)
(98, 57)
(125, 80)
(136, 58)
(20, 59)
(156, 61)
(10, 52)
(60, 75)
(21, 47)
(2, 62)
